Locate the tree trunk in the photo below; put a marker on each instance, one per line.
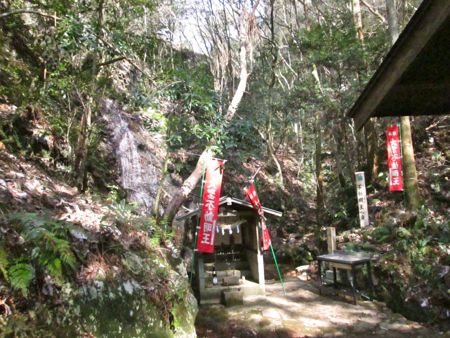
(246, 25)
(81, 153)
(370, 134)
(269, 139)
(187, 187)
(160, 188)
(371, 142)
(357, 19)
(81, 149)
(243, 75)
(391, 9)
(318, 169)
(409, 166)
(409, 162)
(271, 150)
(350, 159)
(338, 146)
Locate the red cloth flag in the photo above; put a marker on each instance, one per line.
(252, 196)
(210, 206)
(394, 158)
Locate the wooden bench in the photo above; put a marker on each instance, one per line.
(347, 261)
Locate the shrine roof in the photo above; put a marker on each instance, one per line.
(414, 77)
(230, 201)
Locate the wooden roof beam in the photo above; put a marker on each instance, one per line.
(424, 24)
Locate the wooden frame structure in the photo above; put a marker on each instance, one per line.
(414, 77)
(238, 259)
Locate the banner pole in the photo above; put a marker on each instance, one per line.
(198, 221)
(278, 268)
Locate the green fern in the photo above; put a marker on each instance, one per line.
(49, 238)
(54, 268)
(123, 212)
(21, 275)
(27, 219)
(155, 240)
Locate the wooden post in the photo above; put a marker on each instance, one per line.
(260, 262)
(331, 239)
(201, 275)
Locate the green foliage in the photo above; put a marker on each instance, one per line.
(123, 213)
(21, 275)
(49, 242)
(382, 234)
(239, 133)
(114, 193)
(403, 233)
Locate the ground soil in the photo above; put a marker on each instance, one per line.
(303, 312)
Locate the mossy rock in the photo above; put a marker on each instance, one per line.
(100, 309)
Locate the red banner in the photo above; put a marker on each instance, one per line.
(210, 206)
(394, 158)
(252, 196)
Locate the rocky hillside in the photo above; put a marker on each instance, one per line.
(82, 264)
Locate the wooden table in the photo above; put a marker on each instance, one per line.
(347, 261)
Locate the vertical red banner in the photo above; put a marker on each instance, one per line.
(252, 196)
(394, 158)
(210, 206)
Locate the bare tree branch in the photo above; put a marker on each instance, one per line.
(374, 11)
(117, 59)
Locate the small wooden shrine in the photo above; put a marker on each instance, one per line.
(237, 261)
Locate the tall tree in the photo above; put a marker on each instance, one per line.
(247, 31)
(370, 132)
(409, 162)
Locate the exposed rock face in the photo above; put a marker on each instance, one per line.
(140, 155)
(133, 289)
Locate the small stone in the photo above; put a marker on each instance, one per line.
(303, 268)
(128, 287)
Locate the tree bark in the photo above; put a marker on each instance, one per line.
(269, 139)
(409, 162)
(247, 25)
(338, 146)
(187, 187)
(370, 134)
(243, 75)
(357, 19)
(391, 9)
(409, 166)
(82, 143)
(271, 149)
(318, 170)
(157, 202)
(371, 141)
(81, 154)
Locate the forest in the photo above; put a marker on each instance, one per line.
(110, 111)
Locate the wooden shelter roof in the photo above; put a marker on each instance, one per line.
(230, 201)
(414, 77)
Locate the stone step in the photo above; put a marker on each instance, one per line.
(213, 295)
(224, 273)
(209, 279)
(222, 266)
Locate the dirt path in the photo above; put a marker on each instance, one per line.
(304, 313)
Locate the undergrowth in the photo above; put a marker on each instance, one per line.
(46, 251)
